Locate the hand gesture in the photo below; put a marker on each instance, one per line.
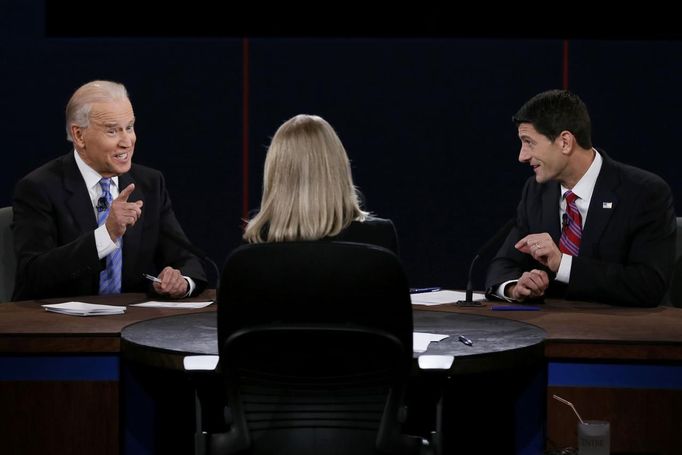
(531, 285)
(542, 248)
(122, 213)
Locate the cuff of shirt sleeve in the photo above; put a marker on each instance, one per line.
(499, 292)
(564, 272)
(103, 242)
(192, 285)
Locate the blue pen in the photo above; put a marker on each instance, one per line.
(514, 308)
(421, 290)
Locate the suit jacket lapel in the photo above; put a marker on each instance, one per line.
(133, 235)
(604, 201)
(550, 210)
(77, 198)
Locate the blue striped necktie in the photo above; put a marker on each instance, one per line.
(573, 227)
(109, 278)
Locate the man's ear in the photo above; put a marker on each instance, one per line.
(566, 141)
(77, 134)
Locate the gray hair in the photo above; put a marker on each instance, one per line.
(80, 104)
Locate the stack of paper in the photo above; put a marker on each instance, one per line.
(441, 297)
(84, 309)
(164, 304)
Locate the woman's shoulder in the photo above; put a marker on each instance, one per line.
(373, 230)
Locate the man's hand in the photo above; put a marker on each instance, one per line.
(531, 285)
(122, 213)
(172, 283)
(542, 248)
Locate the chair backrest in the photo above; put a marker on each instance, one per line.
(315, 343)
(8, 262)
(674, 295)
(314, 282)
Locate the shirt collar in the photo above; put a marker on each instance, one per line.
(585, 186)
(91, 176)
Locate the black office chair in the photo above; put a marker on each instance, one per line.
(674, 295)
(315, 343)
(8, 262)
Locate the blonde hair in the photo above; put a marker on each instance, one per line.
(308, 190)
(80, 104)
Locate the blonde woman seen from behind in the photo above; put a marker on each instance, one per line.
(308, 191)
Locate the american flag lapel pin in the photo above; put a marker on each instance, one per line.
(607, 205)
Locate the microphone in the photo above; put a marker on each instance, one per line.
(183, 242)
(102, 204)
(493, 241)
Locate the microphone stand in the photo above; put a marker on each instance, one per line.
(469, 295)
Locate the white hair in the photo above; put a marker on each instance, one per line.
(80, 104)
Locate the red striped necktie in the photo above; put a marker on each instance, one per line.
(573, 227)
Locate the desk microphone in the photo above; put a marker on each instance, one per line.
(494, 240)
(183, 242)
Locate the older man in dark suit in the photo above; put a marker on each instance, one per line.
(92, 222)
(587, 227)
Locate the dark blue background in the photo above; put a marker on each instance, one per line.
(425, 119)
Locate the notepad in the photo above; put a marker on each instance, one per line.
(84, 309)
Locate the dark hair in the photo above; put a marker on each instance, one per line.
(554, 111)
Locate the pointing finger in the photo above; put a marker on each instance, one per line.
(123, 195)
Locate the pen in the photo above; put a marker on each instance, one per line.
(420, 290)
(465, 340)
(151, 278)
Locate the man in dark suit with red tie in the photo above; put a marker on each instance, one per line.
(587, 227)
(91, 222)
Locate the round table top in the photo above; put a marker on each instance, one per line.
(496, 343)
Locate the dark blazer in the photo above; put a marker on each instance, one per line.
(375, 231)
(628, 243)
(54, 238)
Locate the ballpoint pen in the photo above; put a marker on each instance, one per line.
(151, 278)
(465, 340)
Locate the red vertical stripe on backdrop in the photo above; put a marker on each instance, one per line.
(245, 128)
(565, 65)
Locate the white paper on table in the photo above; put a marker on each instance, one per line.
(435, 362)
(84, 309)
(159, 304)
(441, 297)
(420, 341)
(200, 362)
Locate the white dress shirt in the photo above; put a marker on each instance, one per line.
(102, 238)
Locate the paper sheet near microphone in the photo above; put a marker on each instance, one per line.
(442, 297)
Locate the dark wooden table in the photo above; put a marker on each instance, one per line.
(635, 352)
